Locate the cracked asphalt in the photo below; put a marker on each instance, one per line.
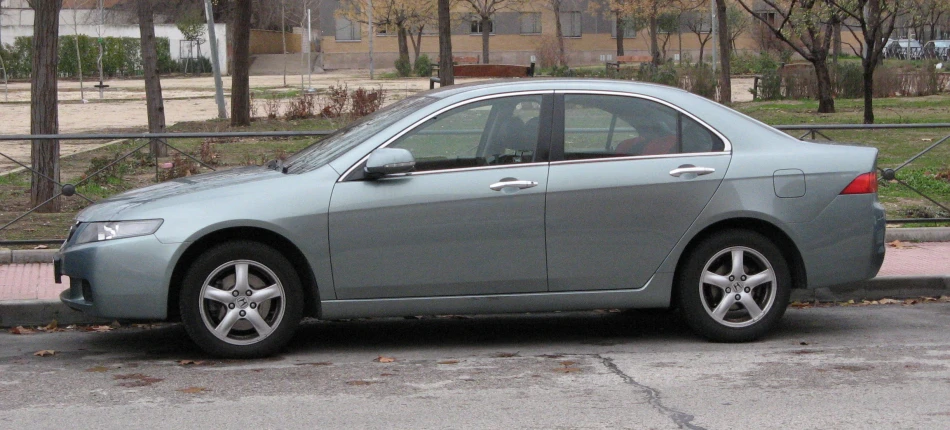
(880, 366)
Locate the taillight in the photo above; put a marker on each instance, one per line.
(865, 183)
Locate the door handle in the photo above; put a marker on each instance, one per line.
(498, 186)
(689, 168)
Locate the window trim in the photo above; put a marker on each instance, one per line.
(347, 175)
(557, 138)
(477, 20)
(580, 24)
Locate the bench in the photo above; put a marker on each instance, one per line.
(469, 70)
(626, 59)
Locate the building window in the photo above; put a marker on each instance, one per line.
(571, 24)
(769, 17)
(347, 30)
(530, 22)
(477, 25)
(629, 29)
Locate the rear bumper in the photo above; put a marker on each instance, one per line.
(845, 243)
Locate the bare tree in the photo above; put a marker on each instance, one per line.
(44, 114)
(484, 10)
(700, 24)
(807, 26)
(446, 71)
(155, 105)
(240, 74)
(875, 19)
(738, 22)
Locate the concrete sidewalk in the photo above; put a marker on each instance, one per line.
(29, 295)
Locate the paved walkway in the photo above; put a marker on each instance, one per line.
(35, 281)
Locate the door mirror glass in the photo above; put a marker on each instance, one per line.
(389, 161)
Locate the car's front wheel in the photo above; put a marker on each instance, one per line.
(734, 286)
(241, 299)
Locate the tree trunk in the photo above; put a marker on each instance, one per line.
(402, 37)
(836, 41)
(416, 43)
(153, 85)
(654, 42)
(725, 51)
(446, 72)
(240, 79)
(702, 47)
(868, 93)
(44, 115)
(559, 33)
(620, 30)
(826, 100)
(486, 31)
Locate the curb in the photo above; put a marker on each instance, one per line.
(40, 312)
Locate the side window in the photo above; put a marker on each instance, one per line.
(602, 126)
(697, 138)
(599, 126)
(491, 132)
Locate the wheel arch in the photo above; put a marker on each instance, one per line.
(256, 234)
(782, 240)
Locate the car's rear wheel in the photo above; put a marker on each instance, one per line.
(734, 286)
(241, 299)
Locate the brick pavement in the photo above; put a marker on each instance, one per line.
(35, 281)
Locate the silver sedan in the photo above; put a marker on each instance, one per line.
(518, 196)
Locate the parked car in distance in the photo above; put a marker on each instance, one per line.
(497, 197)
(938, 49)
(903, 49)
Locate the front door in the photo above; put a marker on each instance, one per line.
(468, 221)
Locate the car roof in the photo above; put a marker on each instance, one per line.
(553, 84)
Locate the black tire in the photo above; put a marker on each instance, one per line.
(714, 311)
(270, 278)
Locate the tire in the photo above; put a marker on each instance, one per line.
(256, 317)
(707, 282)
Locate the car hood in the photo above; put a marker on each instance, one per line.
(111, 208)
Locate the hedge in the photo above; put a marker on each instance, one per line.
(122, 56)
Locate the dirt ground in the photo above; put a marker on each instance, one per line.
(122, 105)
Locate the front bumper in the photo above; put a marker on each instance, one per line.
(123, 278)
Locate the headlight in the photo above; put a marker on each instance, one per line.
(99, 231)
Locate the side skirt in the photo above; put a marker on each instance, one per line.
(656, 294)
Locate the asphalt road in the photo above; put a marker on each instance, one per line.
(883, 366)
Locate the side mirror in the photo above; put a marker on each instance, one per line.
(389, 161)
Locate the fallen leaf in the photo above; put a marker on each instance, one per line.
(136, 380)
(568, 363)
(944, 298)
(382, 359)
(387, 374)
(98, 369)
(506, 354)
(44, 353)
(910, 302)
(889, 301)
(191, 362)
(99, 328)
(21, 330)
(449, 362)
(927, 139)
(359, 382)
(193, 390)
(40, 247)
(803, 343)
(115, 324)
(900, 245)
(52, 326)
(800, 305)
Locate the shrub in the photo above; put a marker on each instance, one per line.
(271, 107)
(403, 68)
(800, 83)
(100, 172)
(665, 75)
(849, 80)
(180, 167)
(770, 87)
(700, 80)
(366, 102)
(301, 107)
(334, 101)
(423, 66)
(548, 52)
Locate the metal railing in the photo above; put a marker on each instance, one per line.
(887, 174)
(70, 189)
(812, 131)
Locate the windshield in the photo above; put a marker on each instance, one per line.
(346, 138)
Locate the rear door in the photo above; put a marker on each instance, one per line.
(628, 176)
